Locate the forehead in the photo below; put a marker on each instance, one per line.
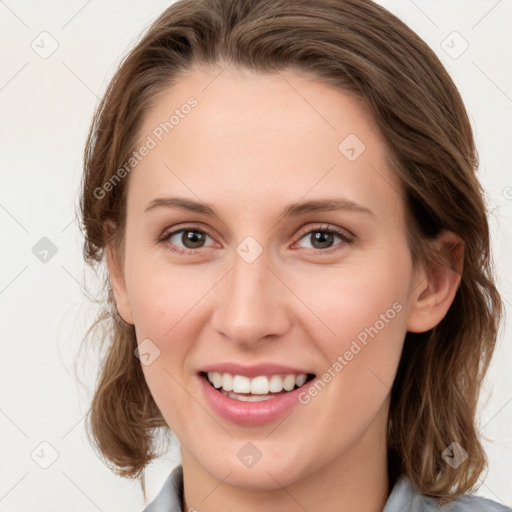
(280, 135)
(254, 108)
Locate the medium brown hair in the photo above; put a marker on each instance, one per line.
(362, 49)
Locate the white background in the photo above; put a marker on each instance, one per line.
(46, 106)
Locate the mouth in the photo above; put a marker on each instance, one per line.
(256, 389)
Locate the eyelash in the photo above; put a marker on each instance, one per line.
(345, 237)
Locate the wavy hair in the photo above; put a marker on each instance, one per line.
(363, 50)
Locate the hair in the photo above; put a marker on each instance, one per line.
(363, 50)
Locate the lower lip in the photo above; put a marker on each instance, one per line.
(251, 414)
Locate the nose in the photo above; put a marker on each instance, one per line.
(252, 304)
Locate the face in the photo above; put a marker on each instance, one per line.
(265, 240)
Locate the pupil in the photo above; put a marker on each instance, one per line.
(192, 239)
(322, 238)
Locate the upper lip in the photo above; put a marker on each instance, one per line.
(253, 370)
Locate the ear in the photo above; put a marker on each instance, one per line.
(435, 287)
(117, 281)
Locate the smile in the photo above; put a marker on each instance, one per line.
(264, 387)
(252, 395)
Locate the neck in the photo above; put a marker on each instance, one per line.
(355, 480)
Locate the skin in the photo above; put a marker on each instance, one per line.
(254, 144)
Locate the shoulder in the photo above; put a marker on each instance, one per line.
(170, 497)
(470, 503)
(404, 498)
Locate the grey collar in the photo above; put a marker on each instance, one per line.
(403, 498)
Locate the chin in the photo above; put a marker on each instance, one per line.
(268, 474)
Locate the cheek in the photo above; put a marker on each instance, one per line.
(163, 302)
(359, 323)
(350, 300)
(161, 295)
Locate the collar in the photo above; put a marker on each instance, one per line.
(403, 498)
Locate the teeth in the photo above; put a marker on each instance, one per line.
(300, 379)
(226, 381)
(247, 398)
(289, 382)
(241, 384)
(261, 385)
(216, 380)
(276, 384)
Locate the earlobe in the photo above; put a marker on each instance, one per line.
(435, 287)
(117, 281)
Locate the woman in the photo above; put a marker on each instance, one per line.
(298, 262)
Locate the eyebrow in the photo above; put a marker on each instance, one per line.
(292, 210)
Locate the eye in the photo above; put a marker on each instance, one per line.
(321, 239)
(185, 240)
(324, 237)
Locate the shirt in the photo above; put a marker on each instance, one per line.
(403, 498)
